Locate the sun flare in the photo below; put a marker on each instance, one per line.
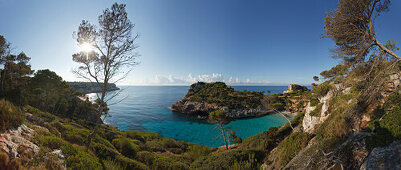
(86, 47)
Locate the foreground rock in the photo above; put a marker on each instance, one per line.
(384, 157)
(13, 140)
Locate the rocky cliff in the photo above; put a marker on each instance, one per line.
(203, 98)
(351, 124)
(87, 87)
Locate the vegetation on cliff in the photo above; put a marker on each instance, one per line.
(222, 95)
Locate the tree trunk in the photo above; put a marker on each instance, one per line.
(384, 48)
(224, 135)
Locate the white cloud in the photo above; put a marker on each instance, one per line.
(190, 79)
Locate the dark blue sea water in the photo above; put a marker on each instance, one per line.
(147, 108)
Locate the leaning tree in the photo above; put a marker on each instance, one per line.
(351, 26)
(107, 54)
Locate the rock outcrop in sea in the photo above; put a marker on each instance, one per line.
(203, 98)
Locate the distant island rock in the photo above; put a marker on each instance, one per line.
(203, 98)
(88, 87)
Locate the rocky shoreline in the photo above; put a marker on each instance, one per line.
(202, 110)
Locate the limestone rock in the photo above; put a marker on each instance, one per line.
(15, 138)
(388, 157)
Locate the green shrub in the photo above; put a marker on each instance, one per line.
(146, 157)
(126, 147)
(167, 164)
(393, 100)
(10, 115)
(196, 151)
(75, 134)
(130, 163)
(44, 115)
(53, 142)
(250, 164)
(290, 147)
(83, 160)
(154, 145)
(392, 122)
(224, 160)
(314, 102)
(322, 89)
(103, 152)
(113, 165)
(317, 111)
(141, 136)
(381, 137)
(169, 143)
(277, 106)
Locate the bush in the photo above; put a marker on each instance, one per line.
(317, 111)
(154, 145)
(250, 164)
(314, 102)
(290, 147)
(126, 147)
(224, 160)
(196, 151)
(277, 106)
(169, 143)
(322, 89)
(392, 122)
(131, 164)
(146, 157)
(141, 136)
(10, 115)
(382, 137)
(113, 165)
(83, 160)
(167, 163)
(103, 152)
(53, 142)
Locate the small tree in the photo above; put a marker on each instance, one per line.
(338, 70)
(235, 138)
(107, 54)
(351, 27)
(316, 78)
(220, 117)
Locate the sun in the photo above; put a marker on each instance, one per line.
(85, 47)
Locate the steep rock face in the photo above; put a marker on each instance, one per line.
(309, 122)
(384, 157)
(13, 139)
(203, 109)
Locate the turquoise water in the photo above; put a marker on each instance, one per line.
(147, 108)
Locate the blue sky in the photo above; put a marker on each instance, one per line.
(256, 42)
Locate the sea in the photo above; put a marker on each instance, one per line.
(148, 108)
